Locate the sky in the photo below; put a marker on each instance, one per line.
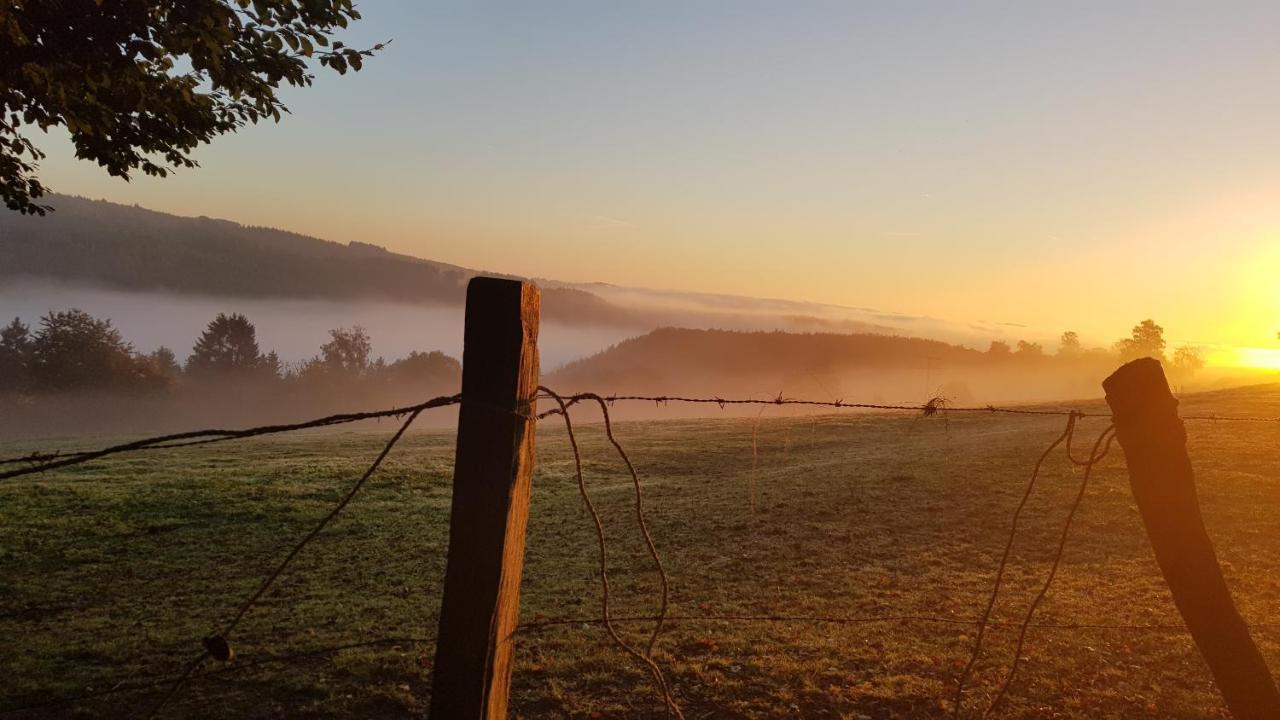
(1083, 166)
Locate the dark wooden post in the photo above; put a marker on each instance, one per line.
(1155, 448)
(491, 479)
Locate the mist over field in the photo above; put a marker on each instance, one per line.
(708, 346)
(292, 328)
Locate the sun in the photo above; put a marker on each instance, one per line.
(1259, 358)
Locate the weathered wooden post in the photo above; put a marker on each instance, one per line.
(491, 481)
(1155, 448)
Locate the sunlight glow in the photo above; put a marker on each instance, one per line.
(1259, 358)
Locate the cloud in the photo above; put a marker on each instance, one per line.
(604, 221)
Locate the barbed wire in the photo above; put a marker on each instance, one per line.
(644, 658)
(678, 618)
(218, 646)
(643, 525)
(50, 461)
(933, 406)
(963, 678)
(1095, 456)
(42, 461)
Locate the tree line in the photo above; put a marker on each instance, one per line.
(1146, 339)
(72, 351)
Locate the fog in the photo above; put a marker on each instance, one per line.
(736, 312)
(294, 329)
(823, 362)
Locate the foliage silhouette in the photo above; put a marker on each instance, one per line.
(73, 350)
(1147, 340)
(229, 345)
(15, 356)
(140, 84)
(1069, 344)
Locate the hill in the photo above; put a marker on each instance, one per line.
(102, 244)
(99, 245)
(853, 367)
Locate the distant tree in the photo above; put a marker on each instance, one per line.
(347, 352)
(1147, 340)
(999, 348)
(1069, 345)
(15, 357)
(165, 362)
(1187, 361)
(271, 365)
(156, 371)
(73, 350)
(141, 84)
(228, 346)
(426, 369)
(1028, 350)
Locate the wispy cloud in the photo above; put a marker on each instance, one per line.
(604, 221)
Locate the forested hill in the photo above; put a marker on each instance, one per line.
(710, 353)
(852, 367)
(93, 242)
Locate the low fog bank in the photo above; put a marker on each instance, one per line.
(411, 352)
(852, 368)
(710, 311)
(293, 329)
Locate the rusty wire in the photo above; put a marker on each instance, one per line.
(41, 462)
(660, 681)
(1095, 456)
(932, 407)
(217, 640)
(976, 653)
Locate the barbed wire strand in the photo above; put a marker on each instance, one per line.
(672, 708)
(644, 527)
(933, 406)
(1106, 436)
(866, 620)
(50, 461)
(275, 574)
(958, 700)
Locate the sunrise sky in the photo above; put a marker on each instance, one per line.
(1082, 167)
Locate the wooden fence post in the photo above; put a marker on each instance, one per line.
(493, 468)
(1155, 448)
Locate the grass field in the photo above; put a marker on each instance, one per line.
(110, 573)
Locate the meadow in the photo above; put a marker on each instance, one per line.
(111, 572)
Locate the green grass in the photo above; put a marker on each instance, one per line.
(111, 572)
